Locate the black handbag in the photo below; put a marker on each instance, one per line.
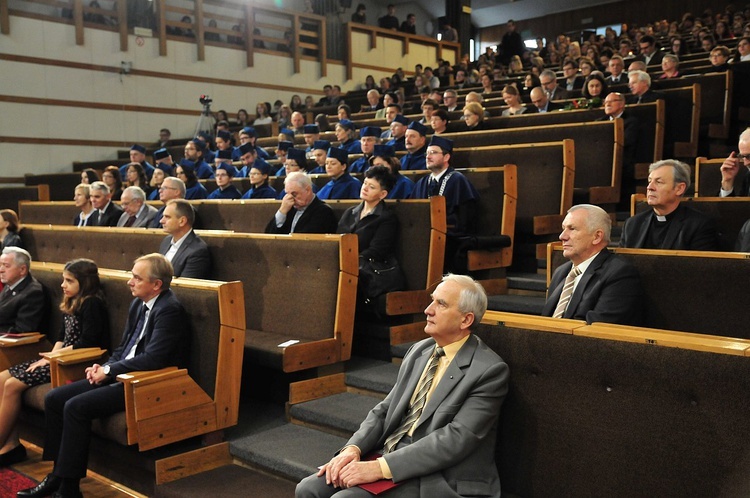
(379, 277)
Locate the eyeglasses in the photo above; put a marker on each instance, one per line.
(166, 188)
(433, 152)
(743, 157)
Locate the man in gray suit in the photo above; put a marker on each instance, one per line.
(436, 437)
(136, 213)
(186, 251)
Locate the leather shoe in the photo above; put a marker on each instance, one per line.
(49, 485)
(16, 455)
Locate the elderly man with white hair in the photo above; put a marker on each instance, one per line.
(136, 213)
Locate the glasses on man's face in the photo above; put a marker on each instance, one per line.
(166, 188)
(743, 157)
(434, 152)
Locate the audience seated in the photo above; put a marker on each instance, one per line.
(398, 132)
(171, 188)
(385, 155)
(732, 166)
(342, 184)
(154, 338)
(9, 227)
(639, 83)
(669, 224)
(376, 227)
(136, 213)
(22, 299)
(225, 188)
(138, 155)
(369, 138)
(183, 248)
(346, 133)
(88, 215)
(108, 213)
(595, 285)
(85, 324)
(415, 142)
(260, 188)
(185, 171)
(112, 178)
(194, 152)
(301, 211)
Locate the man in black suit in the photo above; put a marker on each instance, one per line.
(434, 434)
(650, 53)
(617, 74)
(548, 78)
(154, 338)
(186, 251)
(669, 224)
(301, 211)
(542, 103)
(594, 285)
(639, 83)
(108, 213)
(732, 167)
(573, 80)
(614, 107)
(22, 298)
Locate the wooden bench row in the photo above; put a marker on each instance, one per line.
(606, 410)
(690, 291)
(162, 407)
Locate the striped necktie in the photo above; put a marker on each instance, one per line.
(420, 399)
(567, 292)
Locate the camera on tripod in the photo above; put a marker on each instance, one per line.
(205, 100)
(206, 122)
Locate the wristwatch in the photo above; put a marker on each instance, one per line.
(106, 370)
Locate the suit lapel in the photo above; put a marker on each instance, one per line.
(183, 248)
(452, 376)
(575, 299)
(674, 229)
(404, 397)
(642, 231)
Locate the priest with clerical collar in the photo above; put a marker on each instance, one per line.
(669, 223)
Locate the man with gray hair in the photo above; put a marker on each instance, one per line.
(171, 188)
(595, 285)
(436, 429)
(108, 213)
(669, 224)
(301, 211)
(22, 306)
(639, 83)
(553, 91)
(136, 213)
(737, 164)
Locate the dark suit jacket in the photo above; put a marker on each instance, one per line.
(377, 232)
(741, 189)
(646, 98)
(90, 221)
(453, 444)
(632, 130)
(164, 343)
(609, 291)
(743, 238)
(193, 259)
(23, 309)
(622, 81)
(655, 60)
(689, 230)
(577, 83)
(110, 217)
(317, 218)
(553, 106)
(560, 93)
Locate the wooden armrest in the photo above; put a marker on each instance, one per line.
(75, 356)
(154, 375)
(521, 321)
(21, 339)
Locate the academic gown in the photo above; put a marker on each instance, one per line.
(343, 187)
(460, 200)
(416, 160)
(231, 192)
(265, 191)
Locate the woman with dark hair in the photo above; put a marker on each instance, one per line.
(344, 112)
(9, 227)
(85, 324)
(222, 116)
(360, 14)
(322, 121)
(112, 178)
(185, 171)
(487, 83)
(89, 176)
(374, 223)
(243, 119)
(296, 103)
(531, 81)
(137, 177)
(439, 121)
(385, 155)
(284, 116)
(595, 87)
(369, 83)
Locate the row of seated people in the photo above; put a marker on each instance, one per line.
(153, 338)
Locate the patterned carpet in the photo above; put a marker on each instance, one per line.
(12, 481)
